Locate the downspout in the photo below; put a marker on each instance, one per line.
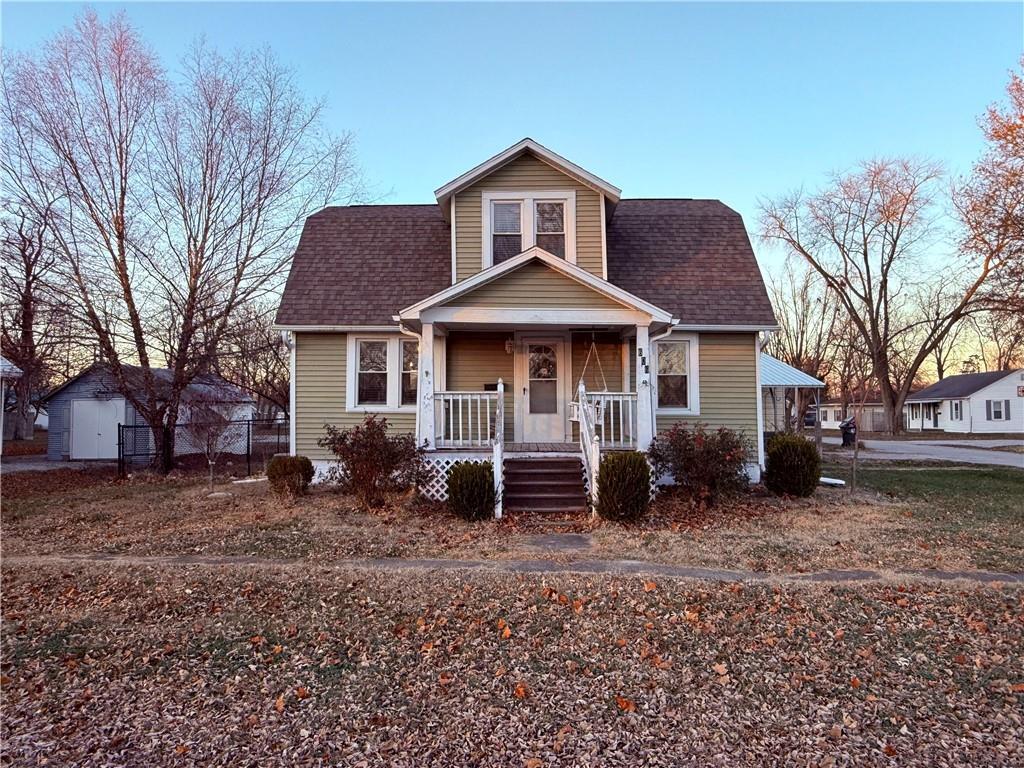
(289, 341)
(650, 391)
(405, 331)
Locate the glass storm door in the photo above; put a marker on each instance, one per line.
(543, 391)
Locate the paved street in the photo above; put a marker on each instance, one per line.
(962, 451)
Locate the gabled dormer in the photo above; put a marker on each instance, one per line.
(523, 197)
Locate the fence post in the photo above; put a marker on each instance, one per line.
(248, 448)
(120, 449)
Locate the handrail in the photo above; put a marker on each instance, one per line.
(590, 443)
(498, 449)
(465, 419)
(615, 418)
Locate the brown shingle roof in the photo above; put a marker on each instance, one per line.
(691, 257)
(360, 265)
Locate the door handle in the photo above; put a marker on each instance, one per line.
(524, 390)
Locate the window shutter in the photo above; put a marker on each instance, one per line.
(1006, 410)
(988, 410)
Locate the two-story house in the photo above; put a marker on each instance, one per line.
(479, 323)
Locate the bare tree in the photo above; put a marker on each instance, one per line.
(211, 428)
(253, 357)
(808, 322)
(866, 234)
(1000, 340)
(177, 203)
(30, 323)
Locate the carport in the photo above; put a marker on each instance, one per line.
(780, 388)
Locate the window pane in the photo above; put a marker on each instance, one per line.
(543, 362)
(553, 244)
(373, 356)
(544, 396)
(505, 247)
(506, 218)
(550, 218)
(672, 391)
(409, 388)
(410, 355)
(373, 388)
(672, 357)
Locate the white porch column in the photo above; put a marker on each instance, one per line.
(425, 422)
(644, 400)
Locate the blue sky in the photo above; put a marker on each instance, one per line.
(734, 101)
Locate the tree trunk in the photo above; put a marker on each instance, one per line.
(163, 448)
(23, 416)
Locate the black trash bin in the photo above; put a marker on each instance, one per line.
(849, 430)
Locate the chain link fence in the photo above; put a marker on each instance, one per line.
(248, 443)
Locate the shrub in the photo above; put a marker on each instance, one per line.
(705, 465)
(792, 465)
(289, 475)
(623, 486)
(471, 489)
(371, 462)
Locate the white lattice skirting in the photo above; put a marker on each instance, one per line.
(436, 487)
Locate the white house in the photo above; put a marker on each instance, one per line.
(972, 403)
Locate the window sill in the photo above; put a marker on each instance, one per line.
(380, 409)
(676, 412)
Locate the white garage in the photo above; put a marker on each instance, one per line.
(94, 428)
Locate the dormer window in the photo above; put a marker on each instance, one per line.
(514, 221)
(549, 219)
(507, 237)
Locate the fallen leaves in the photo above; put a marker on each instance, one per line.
(521, 690)
(650, 586)
(279, 703)
(626, 705)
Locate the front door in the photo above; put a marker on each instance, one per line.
(542, 389)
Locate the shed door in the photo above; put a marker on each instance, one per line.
(94, 428)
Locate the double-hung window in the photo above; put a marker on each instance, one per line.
(515, 221)
(372, 384)
(383, 373)
(956, 410)
(997, 410)
(507, 230)
(549, 224)
(675, 379)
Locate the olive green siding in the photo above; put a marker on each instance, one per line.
(526, 173)
(320, 379)
(728, 384)
(475, 359)
(535, 285)
(609, 354)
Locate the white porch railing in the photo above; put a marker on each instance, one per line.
(466, 419)
(498, 459)
(590, 443)
(614, 418)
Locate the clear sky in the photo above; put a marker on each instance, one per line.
(732, 101)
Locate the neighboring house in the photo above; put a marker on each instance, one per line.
(871, 416)
(9, 372)
(974, 403)
(532, 274)
(86, 410)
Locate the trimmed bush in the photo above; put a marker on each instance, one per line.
(471, 490)
(623, 486)
(289, 475)
(792, 465)
(705, 465)
(371, 462)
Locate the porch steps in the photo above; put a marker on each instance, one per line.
(545, 485)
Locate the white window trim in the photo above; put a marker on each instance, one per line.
(999, 404)
(394, 396)
(692, 376)
(528, 200)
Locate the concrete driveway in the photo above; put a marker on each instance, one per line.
(9, 466)
(959, 451)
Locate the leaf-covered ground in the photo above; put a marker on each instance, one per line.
(313, 666)
(926, 518)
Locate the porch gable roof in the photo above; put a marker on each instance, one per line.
(602, 288)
